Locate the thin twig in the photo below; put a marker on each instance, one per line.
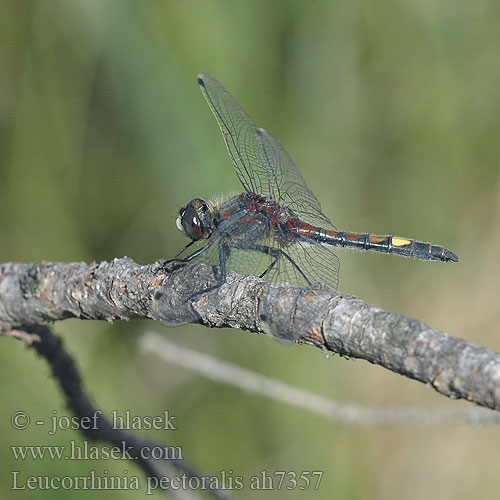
(347, 413)
(342, 324)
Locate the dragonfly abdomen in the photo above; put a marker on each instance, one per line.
(386, 244)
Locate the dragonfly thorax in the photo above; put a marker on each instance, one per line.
(271, 209)
(195, 219)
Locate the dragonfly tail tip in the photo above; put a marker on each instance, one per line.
(450, 256)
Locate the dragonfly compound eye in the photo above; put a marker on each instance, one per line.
(192, 224)
(195, 219)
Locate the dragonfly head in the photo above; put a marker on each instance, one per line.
(195, 220)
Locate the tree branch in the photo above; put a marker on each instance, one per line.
(342, 324)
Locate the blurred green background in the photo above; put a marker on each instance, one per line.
(391, 111)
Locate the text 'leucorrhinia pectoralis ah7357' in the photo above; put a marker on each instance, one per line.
(275, 229)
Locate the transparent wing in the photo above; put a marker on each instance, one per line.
(254, 248)
(307, 264)
(242, 261)
(290, 186)
(260, 161)
(264, 167)
(258, 247)
(238, 130)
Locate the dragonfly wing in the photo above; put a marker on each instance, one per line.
(264, 167)
(255, 249)
(305, 264)
(291, 188)
(239, 132)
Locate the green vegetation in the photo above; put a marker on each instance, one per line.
(391, 111)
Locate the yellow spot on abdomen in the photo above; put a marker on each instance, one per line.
(399, 242)
(376, 238)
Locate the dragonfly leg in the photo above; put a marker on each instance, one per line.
(273, 263)
(185, 260)
(276, 254)
(183, 249)
(224, 253)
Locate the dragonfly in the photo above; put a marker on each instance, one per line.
(275, 229)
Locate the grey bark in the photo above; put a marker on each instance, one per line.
(342, 324)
